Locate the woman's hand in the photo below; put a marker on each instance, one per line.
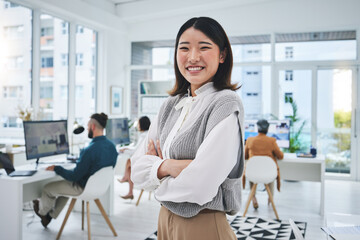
(50, 168)
(154, 151)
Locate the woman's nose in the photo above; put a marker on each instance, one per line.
(194, 56)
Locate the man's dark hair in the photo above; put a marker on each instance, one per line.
(100, 118)
(263, 126)
(144, 123)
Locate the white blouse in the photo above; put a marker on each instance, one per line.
(208, 168)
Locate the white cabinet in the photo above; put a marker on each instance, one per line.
(152, 94)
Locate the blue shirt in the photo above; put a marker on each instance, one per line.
(100, 153)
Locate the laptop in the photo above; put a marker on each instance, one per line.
(10, 170)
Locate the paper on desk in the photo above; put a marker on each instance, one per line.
(344, 237)
(349, 230)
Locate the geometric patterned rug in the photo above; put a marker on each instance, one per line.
(255, 228)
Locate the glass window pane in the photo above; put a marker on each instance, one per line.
(334, 118)
(54, 48)
(255, 82)
(295, 104)
(312, 51)
(86, 52)
(15, 66)
(251, 52)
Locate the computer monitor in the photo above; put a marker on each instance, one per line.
(45, 138)
(279, 129)
(117, 130)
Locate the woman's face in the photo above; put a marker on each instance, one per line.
(198, 58)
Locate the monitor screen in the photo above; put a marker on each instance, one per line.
(45, 138)
(117, 130)
(279, 129)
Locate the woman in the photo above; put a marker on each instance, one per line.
(143, 127)
(194, 156)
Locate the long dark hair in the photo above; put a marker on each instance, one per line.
(213, 30)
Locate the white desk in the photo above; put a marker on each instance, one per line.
(304, 169)
(17, 190)
(342, 220)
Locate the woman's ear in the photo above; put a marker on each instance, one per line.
(223, 56)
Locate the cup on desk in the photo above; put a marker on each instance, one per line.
(313, 151)
(8, 148)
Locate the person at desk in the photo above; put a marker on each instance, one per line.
(100, 153)
(143, 127)
(262, 145)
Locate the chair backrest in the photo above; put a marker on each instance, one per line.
(296, 230)
(261, 169)
(98, 184)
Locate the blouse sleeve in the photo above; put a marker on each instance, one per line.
(144, 167)
(200, 180)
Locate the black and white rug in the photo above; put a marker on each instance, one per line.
(255, 228)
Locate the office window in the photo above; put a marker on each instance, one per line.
(14, 32)
(15, 63)
(288, 75)
(79, 59)
(54, 53)
(295, 101)
(254, 48)
(86, 74)
(254, 90)
(310, 46)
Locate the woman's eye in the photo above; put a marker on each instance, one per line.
(183, 48)
(204, 48)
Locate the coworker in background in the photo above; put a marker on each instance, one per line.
(143, 127)
(194, 153)
(262, 145)
(99, 154)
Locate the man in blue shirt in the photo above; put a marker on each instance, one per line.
(100, 153)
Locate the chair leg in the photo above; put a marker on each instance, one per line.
(88, 219)
(252, 193)
(98, 203)
(271, 200)
(82, 215)
(72, 203)
(137, 203)
(149, 195)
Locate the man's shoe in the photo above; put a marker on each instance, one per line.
(36, 207)
(45, 220)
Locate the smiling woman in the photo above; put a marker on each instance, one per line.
(195, 145)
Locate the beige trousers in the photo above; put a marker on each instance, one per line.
(204, 226)
(271, 186)
(52, 200)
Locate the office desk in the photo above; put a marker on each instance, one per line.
(304, 169)
(17, 190)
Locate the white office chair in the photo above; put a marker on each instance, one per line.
(261, 169)
(142, 191)
(296, 230)
(95, 187)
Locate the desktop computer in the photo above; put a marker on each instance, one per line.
(117, 130)
(279, 129)
(45, 138)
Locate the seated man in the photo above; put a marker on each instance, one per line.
(99, 154)
(262, 145)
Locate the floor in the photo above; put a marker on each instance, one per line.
(297, 200)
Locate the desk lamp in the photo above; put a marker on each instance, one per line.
(77, 129)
